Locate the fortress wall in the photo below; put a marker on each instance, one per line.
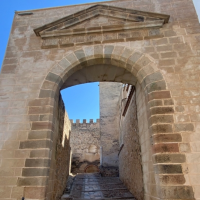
(85, 145)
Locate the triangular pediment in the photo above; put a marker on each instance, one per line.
(100, 19)
(128, 16)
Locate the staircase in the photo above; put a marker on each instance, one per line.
(93, 186)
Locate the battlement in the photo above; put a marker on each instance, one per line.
(78, 122)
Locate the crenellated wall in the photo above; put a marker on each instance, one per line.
(85, 146)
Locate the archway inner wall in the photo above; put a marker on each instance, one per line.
(133, 127)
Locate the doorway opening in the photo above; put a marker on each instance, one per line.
(110, 145)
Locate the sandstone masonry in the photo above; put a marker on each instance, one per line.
(159, 55)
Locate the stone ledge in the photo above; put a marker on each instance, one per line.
(105, 29)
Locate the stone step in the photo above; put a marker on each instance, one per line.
(93, 186)
(97, 181)
(124, 198)
(101, 194)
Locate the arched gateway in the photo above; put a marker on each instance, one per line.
(158, 55)
(121, 64)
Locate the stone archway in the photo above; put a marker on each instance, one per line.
(159, 107)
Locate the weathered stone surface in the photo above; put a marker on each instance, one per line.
(42, 126)
(170, 158)
(172, 179)
(167, 138)
(177, 192)
(152, 78)
(183, 127)
(160, 85)
(42, 153)
(35, 172)
(159, 95)
(155, 103)
(161, 128)
(37, 162)
(161, 148)
(35, 144)
(36, 181)
(34, 192)
(26, 87)
(61, 157)
(33, 135)
(109, 92)
(159, 119)
(168, 169)
(162, 110)
(129, 155)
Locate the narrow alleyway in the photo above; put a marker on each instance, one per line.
(93, 186)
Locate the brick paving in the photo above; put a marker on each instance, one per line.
(93, 186)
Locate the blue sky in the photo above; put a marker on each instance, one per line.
(86, 107)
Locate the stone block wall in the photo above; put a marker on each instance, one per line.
(109, 122)
(85, 146)
(60, 156)
(150, 184)
(130, 159)
(165, 67)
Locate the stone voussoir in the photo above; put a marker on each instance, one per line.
(72, 59)
(108, 49)
(89, 52)
(159, 95)
(156, 86)
(157, 76)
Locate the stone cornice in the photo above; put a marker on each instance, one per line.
(103, 29)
